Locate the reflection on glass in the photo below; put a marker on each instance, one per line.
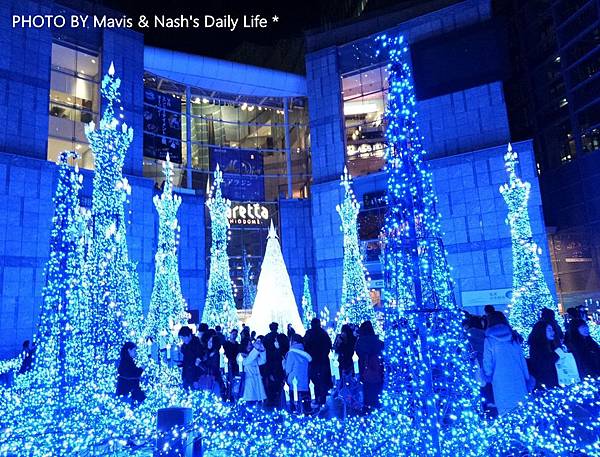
(73, 101)
(364, 97)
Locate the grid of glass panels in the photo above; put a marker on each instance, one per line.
(246, 130)
(364, 95)
(74, 100)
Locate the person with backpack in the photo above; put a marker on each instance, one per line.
(369, 349)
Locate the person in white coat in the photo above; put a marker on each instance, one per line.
(254, 390)
(505, 367)
(295, 365)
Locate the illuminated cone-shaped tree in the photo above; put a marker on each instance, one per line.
(275, 300)
(115, 293)
(249, 288)
(530, 292)
(62, 339)
(429, 375)
(308, 314)
(168, 308)
(219, 308)
(357, 305)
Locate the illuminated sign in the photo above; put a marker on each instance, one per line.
(248, 214)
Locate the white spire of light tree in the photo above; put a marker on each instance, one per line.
(357, 305)
(530, 292)
(168, 308)
(275, 301)
(219, 308)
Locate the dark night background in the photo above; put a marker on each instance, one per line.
(281, 45)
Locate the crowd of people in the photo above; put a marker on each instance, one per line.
(506, 376)
(278, 368)
(271, 369)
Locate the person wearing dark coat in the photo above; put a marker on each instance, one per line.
(192, 353)
(344, 348)
(276, 346)
(129, 374)
(318, 345)
(232, 349)
(211, 361)
(369, 349)
(585, 350)
(542, 358)
(549, 317)
(27, 355)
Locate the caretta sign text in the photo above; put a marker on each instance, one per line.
(248, 214)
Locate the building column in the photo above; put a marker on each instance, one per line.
(288, 152)
(188, 135)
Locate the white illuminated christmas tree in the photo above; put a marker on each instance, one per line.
(530, 292)
(275, 301)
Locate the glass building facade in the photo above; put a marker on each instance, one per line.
(74, 100)
(262, 146)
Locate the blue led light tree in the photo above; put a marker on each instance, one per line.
(357, 305)
(62, 338)
(219, 308)
(115, 293)
(429, 375)
(530, 292)
(248, 285)
(308, 313)
(168, 308)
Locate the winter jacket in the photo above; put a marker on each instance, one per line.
(254, 390)
(232, 349)
(275, 354)
(542, 358)
(344, 348)
(191, 351)
(318, 344)
(369, 349)
(296, 366)
(587, 354)
(128, 380)
(504, 365)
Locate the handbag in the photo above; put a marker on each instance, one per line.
(566, 368)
